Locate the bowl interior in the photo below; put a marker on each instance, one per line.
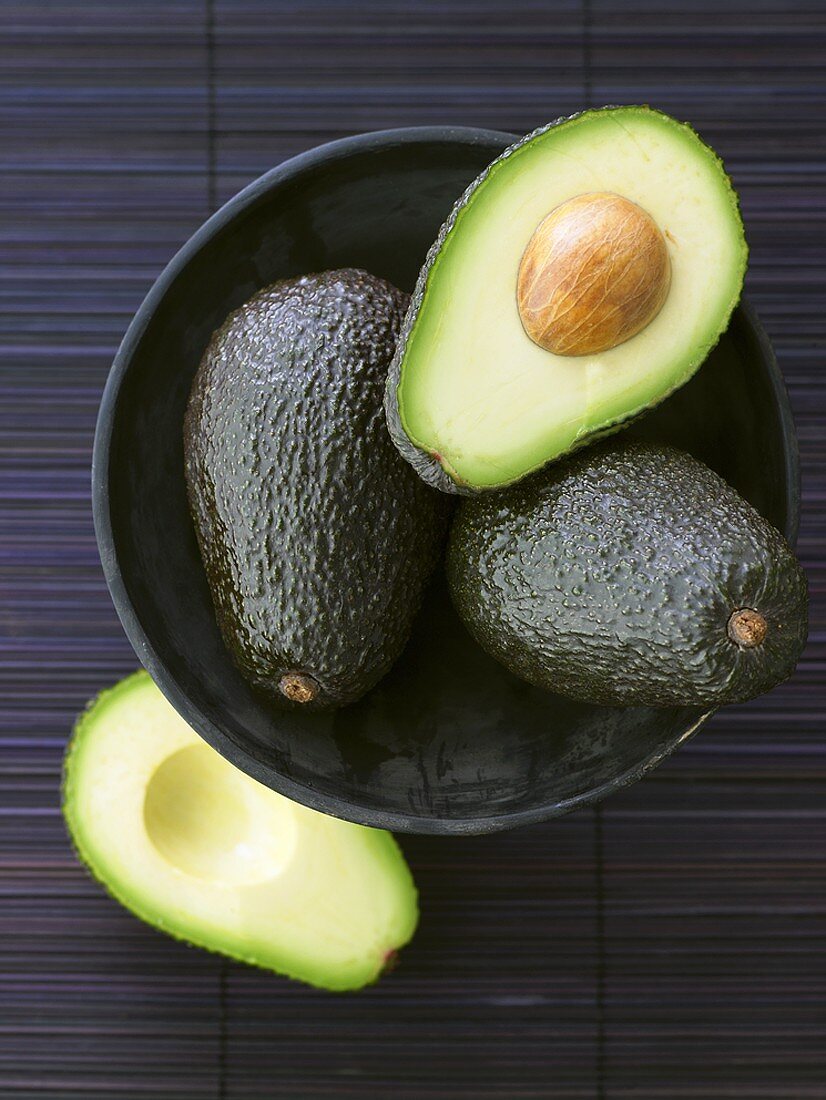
(449, 741)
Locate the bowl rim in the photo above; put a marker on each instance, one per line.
(335, 805)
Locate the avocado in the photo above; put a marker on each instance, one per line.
(317, 539)
(630, 575)
(202, 852)
(584, 276)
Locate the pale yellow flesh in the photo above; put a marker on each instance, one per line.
(199, 849)
(475, 389)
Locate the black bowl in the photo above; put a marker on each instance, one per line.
(449, 742)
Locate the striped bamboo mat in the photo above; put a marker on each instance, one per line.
(670, 944)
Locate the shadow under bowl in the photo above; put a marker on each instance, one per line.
(449, 742)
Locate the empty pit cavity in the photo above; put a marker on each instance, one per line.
(212, 822)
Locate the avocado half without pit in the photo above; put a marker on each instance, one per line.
(568, 291)
(203, 852)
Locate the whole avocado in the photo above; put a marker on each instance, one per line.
(631, 575)
(317, 537)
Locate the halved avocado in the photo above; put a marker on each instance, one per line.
(196, 848)
(474, 402)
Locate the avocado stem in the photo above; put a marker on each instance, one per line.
(298, 687)
(390, 960)
(747, 628)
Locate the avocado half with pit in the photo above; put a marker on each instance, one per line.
(201, 851)
(583, 277)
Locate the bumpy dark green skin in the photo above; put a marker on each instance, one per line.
(317, 538)
(426, 465)
(611, 578)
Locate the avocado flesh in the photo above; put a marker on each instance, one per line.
(317, 538)
(612, 578)
(196, 848)
(473, 403)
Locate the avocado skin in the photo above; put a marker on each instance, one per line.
(611, 578)
(317, 538)
(428, 466)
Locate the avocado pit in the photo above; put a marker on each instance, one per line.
(595, 273)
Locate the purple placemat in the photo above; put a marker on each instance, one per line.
(671, 943)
